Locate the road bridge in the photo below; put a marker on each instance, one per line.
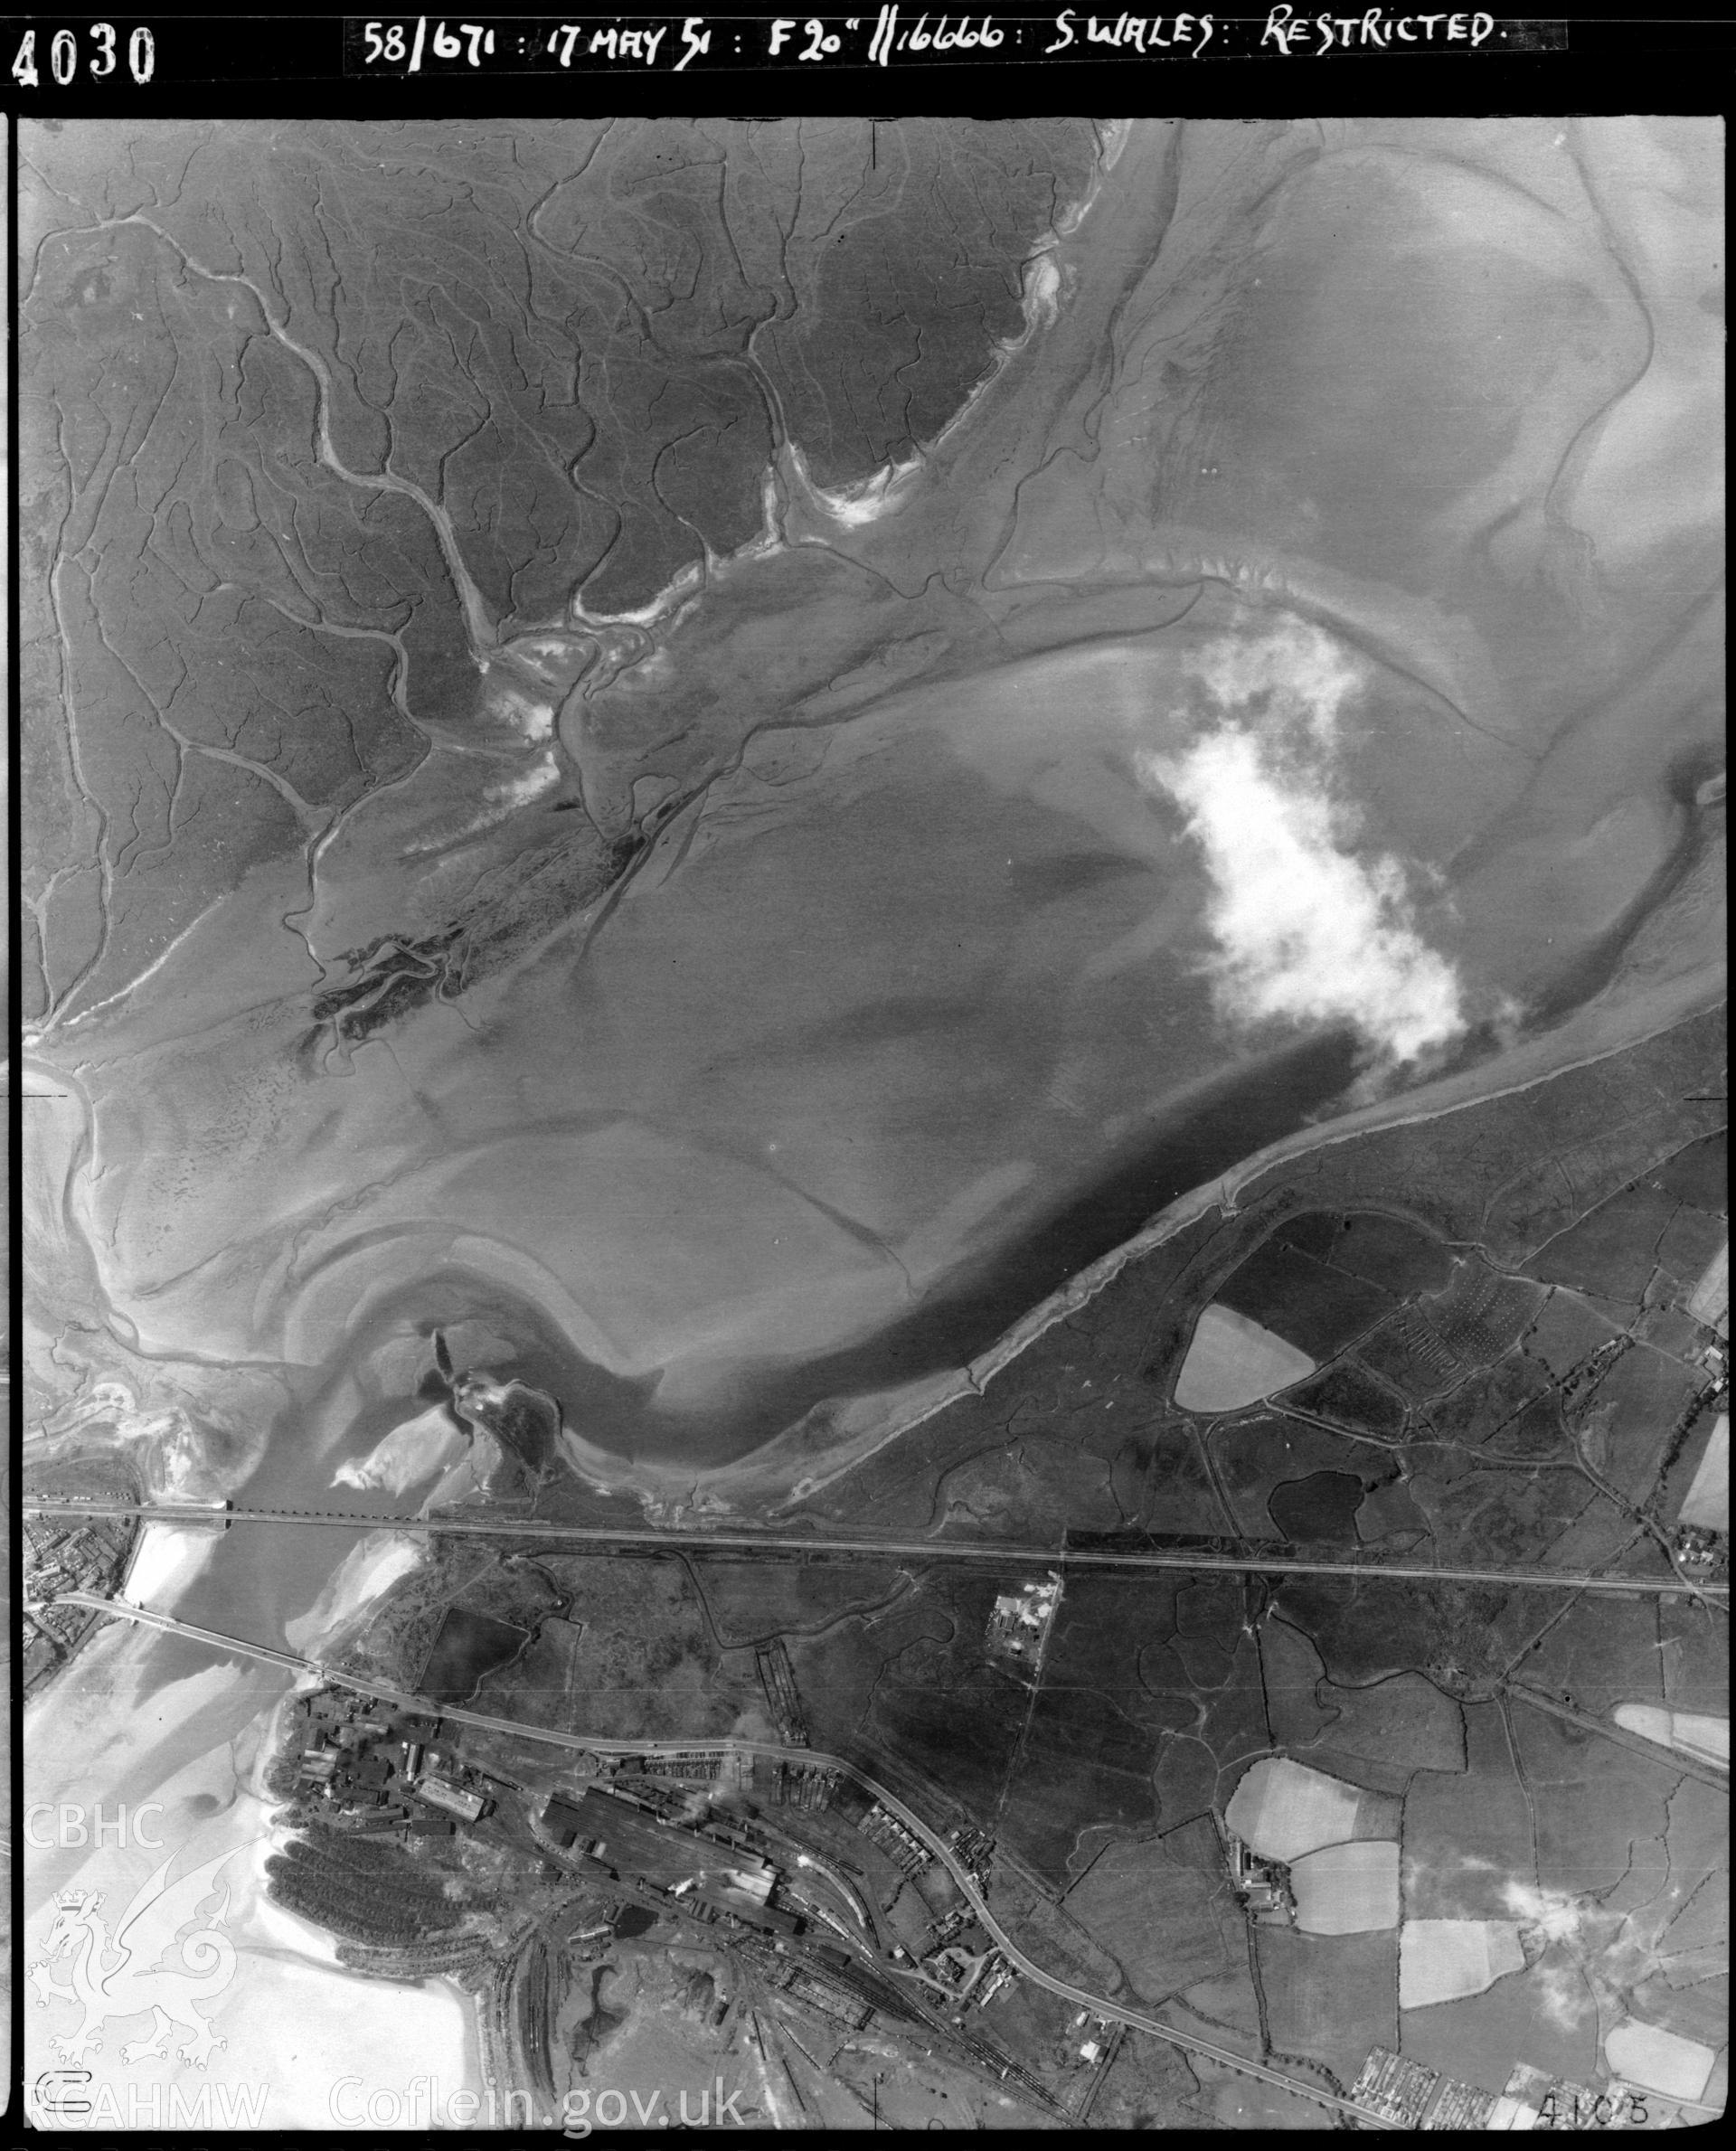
(1100, 2005)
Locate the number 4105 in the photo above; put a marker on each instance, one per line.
(63, 55)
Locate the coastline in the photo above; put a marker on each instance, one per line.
(834, 1438)
(165, 1559)
(367, 1571)
(200, 1772)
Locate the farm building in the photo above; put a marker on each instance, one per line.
(1282, 1809)
(1347, 1889)
(1673, 2067)
(1443, 1960)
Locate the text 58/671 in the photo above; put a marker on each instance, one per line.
(386, 42)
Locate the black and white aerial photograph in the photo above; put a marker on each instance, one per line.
(871, 1107)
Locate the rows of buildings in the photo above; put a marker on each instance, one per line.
(1411, 2095)
(777, 1682)
(62, 1554)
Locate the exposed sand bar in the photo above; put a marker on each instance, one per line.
(366, 1573)
(167, 1559)
(294, 2022)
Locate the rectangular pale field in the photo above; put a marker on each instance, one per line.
(1707, 1503)
(1711, 1301)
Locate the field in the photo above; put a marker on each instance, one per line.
(1512, 1172)
(1567, 1332)
(1467, 1837)
(1283, 1809)
(913, 1677)
(1163, 1910)
(646, 1665)
(1150, 2085)
(1647, 2054)
(1311, 1304)
(1627, 1422)
(1692, 1653)
(1019, 1490)
(1236, 2101)
(1329, 1998)
(1052, 1936)
(1689, 1915)
(1347, 1889)
(1696, 2009)
(1389, 1251)
(1128, 1664)
(1594, 1803)
(1368, 1626)
(1602, 1653)
(1346, 1394)
(1444, 1961)
(1397, 1725)
(468, 1647)
(1699, 1175)
(1225, 2010)
(1546, 2016)
(749, 1601)
(1609, 1252)
(546, 1678)
(1694, 1486)
(1260, 1456)
(1232, 1361)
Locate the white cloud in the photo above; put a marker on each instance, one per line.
(1564, 1995)
(1293, 675)
(1558, 1917)
(1307, 929)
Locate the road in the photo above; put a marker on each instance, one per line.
(1100, 2005)
(992, 1552)
(1667, 1759)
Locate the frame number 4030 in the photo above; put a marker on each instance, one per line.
(103, 59)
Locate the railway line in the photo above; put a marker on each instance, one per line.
(992, 1552)
(1675, 1761)
(1100, 2005)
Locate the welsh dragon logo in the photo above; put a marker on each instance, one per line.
(134, 1969)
